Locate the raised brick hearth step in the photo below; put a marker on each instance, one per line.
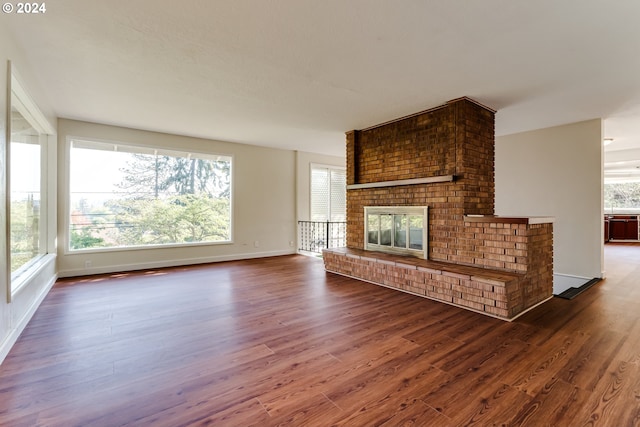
(492, 292)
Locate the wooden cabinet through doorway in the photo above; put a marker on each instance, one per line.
(623, 227)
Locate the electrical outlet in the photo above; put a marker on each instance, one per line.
(87, 264)
(256, 244)
(291, 243)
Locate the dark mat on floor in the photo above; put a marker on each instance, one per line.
(571, 293)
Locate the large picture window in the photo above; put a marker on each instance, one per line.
(127, 196)
(29, 155)
(25, 213)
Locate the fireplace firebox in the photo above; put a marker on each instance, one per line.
(397, 229)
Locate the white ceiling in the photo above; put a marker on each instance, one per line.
(297, 74)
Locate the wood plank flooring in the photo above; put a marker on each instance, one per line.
(279, 342)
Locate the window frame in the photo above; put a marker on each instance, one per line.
(18, 98)
(66, 237)
(611, 209)
(328, 168)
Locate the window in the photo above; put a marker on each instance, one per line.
(25, 214)
(27, 155)
(124, 196)
(622, 195)
(399, 229)
(328, 194)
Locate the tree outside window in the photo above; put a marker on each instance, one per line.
(622, 196)
(127, 196)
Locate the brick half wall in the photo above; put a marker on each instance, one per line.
(521, 255)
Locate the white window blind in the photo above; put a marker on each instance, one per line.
(328, 194)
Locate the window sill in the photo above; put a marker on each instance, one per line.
(23, 280)
(145, 247)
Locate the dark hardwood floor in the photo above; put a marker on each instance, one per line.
(280, 342)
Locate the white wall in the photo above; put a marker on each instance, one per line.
(14, 315)
(557, 172)
(303, 179)
(263, 203)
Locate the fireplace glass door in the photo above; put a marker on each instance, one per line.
(396, 229)
(400, 231)
(386, 227)
(416, 224)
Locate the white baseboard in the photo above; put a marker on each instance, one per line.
(11, 339)
(169, 263)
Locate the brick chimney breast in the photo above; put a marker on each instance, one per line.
(455, 139)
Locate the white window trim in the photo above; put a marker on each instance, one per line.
(19, 98)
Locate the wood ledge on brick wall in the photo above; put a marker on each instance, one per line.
(509, 220)
(400, 182)
(407, 261)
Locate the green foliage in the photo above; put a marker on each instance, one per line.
(24, 225)
(181, 219)
(84, 239)
(88, 226)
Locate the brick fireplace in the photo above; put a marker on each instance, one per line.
(443, 159)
